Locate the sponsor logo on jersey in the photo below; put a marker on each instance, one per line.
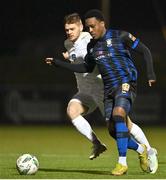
(102, 54)
(100, 57)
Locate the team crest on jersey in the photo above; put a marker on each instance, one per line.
(109, 42)
(125, 88)
(132, 37)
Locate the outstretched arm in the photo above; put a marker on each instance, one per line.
(80, 68)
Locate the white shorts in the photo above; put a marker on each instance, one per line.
(91, 102)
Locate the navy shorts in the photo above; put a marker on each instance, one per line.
(123, 96)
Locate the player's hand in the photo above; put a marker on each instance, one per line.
(49, 61)
(151, 82)
(65, 55)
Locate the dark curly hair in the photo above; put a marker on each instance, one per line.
(94, 13)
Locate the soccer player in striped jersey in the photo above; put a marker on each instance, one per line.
(90, 87)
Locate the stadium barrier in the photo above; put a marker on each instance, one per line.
(48, 105)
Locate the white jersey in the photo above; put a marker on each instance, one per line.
(87, 83)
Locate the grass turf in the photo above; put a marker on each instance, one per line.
(63, 153)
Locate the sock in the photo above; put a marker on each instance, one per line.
(85, 129)
(139, 136)
(121, 135)
(122, 160)
(140, 149)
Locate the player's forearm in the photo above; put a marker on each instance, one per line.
(148, 58)
(80, 68)
(149, 63)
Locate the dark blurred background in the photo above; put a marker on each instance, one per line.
(30, 30)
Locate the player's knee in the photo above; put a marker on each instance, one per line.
(119, 111)
(122, 106)
(72, 112)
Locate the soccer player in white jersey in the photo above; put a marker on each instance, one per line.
(90, 92)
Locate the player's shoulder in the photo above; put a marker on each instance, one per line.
(127, 35)
(116, 32)
(122, 34)
(85, 36)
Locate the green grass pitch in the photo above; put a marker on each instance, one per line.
(63, 153)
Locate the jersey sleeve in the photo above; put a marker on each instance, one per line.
(135, 44)
(87, 66)
(80, 68)
(144, 50)
(89, 60)
(129, 39)
(89, 63)
(88, 37)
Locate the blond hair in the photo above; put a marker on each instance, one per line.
(72, 18)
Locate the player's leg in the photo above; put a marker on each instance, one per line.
(134, 129)
(122, 137)
(140, 148)
(75, 110)
(137, 133)
(123, 100)
(124, 141)
(140, 137)
(118, 130)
